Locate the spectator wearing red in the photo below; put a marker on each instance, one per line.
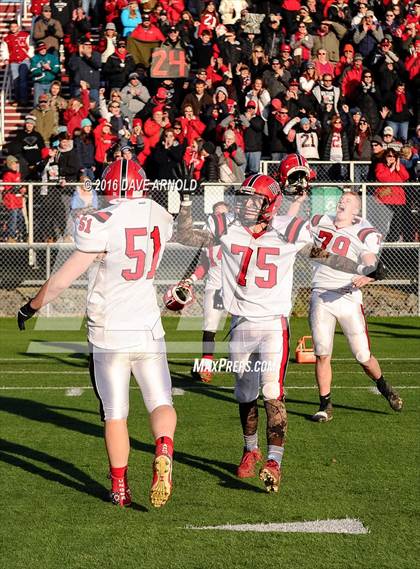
(16, 51)
(290, 10)
(323, 65)
(143, 40)
(113, 9)
(104, 140)
(194, 159)
(391, 170)
(77, 110)
(352, 79)
(13, 201)
(147, 32)
(192, 127)
(399, 104)
(301, 42)
(346, 60)
(209, 18)
(174, 9)
(412, 63)
(154, 127)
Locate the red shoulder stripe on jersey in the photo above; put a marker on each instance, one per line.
(293, 229)
(220, 225)
(316, 219)
(363, 233)
(101, 216)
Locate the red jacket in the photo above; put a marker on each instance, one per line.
(195, 160)
(74, 118)
(351, 80)
(103, 142)
(148, 35)
(191, 128)
(18, 46)
(174, 8)
(412, 64)
(390, 195)
(10, 198)
(36, 6)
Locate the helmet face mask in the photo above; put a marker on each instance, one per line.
(257, 200)
(294, 175)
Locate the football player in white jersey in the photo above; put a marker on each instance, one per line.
(124, 325)
(210, 268)
(336, 297)
(258, 253)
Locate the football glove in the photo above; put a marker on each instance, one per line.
(377, 272)
(25, 312)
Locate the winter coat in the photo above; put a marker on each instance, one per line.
(46, 123)
(210, 169)
(233, 157)
(85, 150)
(68, 164)
(73, 118)
(117, 70)
(41, 75)
(253, 133)
(49, 31)
(390, 195)
(103, 142)
(199, 106)
(86, 69)
(11, 194)
(130, 23)
(330, 41)
(164, 161)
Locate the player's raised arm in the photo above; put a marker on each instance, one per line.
(75, 266)
(185, 232)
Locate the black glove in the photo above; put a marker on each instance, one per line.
(25, 312)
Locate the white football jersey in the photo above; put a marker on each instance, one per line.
(350, 242)
(122, 302)
(257, 269)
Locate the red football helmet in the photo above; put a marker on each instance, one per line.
(179, 296)
(294, 175)
(123, 179)
(266, 188)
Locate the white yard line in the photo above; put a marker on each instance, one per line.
(346, 525)
(177, 391)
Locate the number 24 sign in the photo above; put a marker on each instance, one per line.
(168, 63)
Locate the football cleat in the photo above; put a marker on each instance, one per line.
(323, 415)
(393, 398)
(270, 474)
(249, 460)
(204, 372)
(120, 494)
(161, 489)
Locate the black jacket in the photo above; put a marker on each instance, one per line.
(86, 69)
(164, 161)
(210, 169)
(116, 71)
(253, 135)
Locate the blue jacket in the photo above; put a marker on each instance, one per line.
(130, 24)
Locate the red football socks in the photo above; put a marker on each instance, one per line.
(164, 445)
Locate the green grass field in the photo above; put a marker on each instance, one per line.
(364, 464)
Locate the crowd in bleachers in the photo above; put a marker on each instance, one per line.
(332, 80)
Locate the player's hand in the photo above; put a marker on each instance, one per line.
(360, 281)
(25, 312)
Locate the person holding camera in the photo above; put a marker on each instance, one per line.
(47, 29)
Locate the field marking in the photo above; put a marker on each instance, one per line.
(351, 526)
(85, 372)
(178, 391)
(67, 355)
(74, 392)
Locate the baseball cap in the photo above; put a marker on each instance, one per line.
(110, 26)
(126, 147)
(285, 47)
(41, 45)
(30, 118)
(158, 109)
(86, 41)
(86, 122)
(11, 159)
(310, 65)
(275, 60)
(146, 17)
(293, 83)
(172, 29)
(43, 97)
(355, 111)
(251, 105)
(377, 139)
(162, 93)
(389, 130)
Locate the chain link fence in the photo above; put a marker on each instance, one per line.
(46, 243)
